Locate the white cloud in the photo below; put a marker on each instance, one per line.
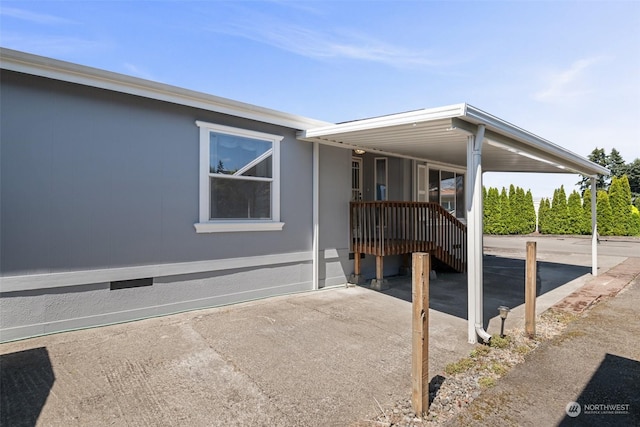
(50, 45)
(326, 45)
(570, 83)
(37, 18)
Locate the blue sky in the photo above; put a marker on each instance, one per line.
(567, 71)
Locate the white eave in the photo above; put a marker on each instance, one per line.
(440, 135)
(65, 71)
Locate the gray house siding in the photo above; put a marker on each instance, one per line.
(335, 192)
(98, 181)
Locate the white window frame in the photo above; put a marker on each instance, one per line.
(207, 225)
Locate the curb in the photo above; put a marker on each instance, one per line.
(601, 287)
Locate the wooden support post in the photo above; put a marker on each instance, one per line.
(530, 291)
(379, 267)
(356, 264)
(420, 333)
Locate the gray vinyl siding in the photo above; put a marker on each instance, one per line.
(93, 179)
(96, 181)
(335, 193)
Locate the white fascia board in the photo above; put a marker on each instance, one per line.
(410, 117)
(74, 73)
(506, 129)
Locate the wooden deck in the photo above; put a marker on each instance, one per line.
(396, 228)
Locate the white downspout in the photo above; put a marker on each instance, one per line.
(315, 216)
(474, 237)
(594, 229)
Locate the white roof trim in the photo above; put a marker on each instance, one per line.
(537, 143)
(65, 71)
(399, 119)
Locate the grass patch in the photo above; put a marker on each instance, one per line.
(559, 316)
(460, 366)
(480, 350)
(486, 382)
(498, 368)
(523, 349)
(498, 342)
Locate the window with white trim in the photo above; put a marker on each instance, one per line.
(239, 180)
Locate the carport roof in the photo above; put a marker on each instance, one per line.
(441, 134)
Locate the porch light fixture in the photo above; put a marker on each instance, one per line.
(504, 312)
(359, 151)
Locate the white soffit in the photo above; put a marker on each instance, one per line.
(440, 135)
(73, 73)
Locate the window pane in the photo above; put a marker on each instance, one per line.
(240, 199)
(381, 179)
(448, 191)
(460, 196)
(434, 185)
(260, 169)
(231, 154)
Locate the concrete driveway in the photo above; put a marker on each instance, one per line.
(322, 358)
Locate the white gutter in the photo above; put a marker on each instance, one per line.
(73, 73)
(474, 238)
(506, 129)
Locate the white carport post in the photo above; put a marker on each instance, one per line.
(474, 236)
(594, 229)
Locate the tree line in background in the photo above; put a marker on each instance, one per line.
(617, 204)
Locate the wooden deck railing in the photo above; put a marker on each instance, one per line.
(393, 228)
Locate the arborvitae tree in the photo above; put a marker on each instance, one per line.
(604, 216)
(518, 211)
(544, 212)
(492, 211)
(505, 212)
(575, 214)
(530, 213)
(511, 217)
(620, 208)
(635, 222)
(559, 214)
(586, 209)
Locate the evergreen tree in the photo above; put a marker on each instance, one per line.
(635, 222)
(615, 163)
(620, 208)
(586, 216)
(559, 214)
(512, 221)
(632, 170)
(575, 212)
(599, 157)
(492, 211)
(543, 216)
(530, 213)
(604, 216)
(505, 212)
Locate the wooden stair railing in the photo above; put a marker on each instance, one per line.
(394, 228)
